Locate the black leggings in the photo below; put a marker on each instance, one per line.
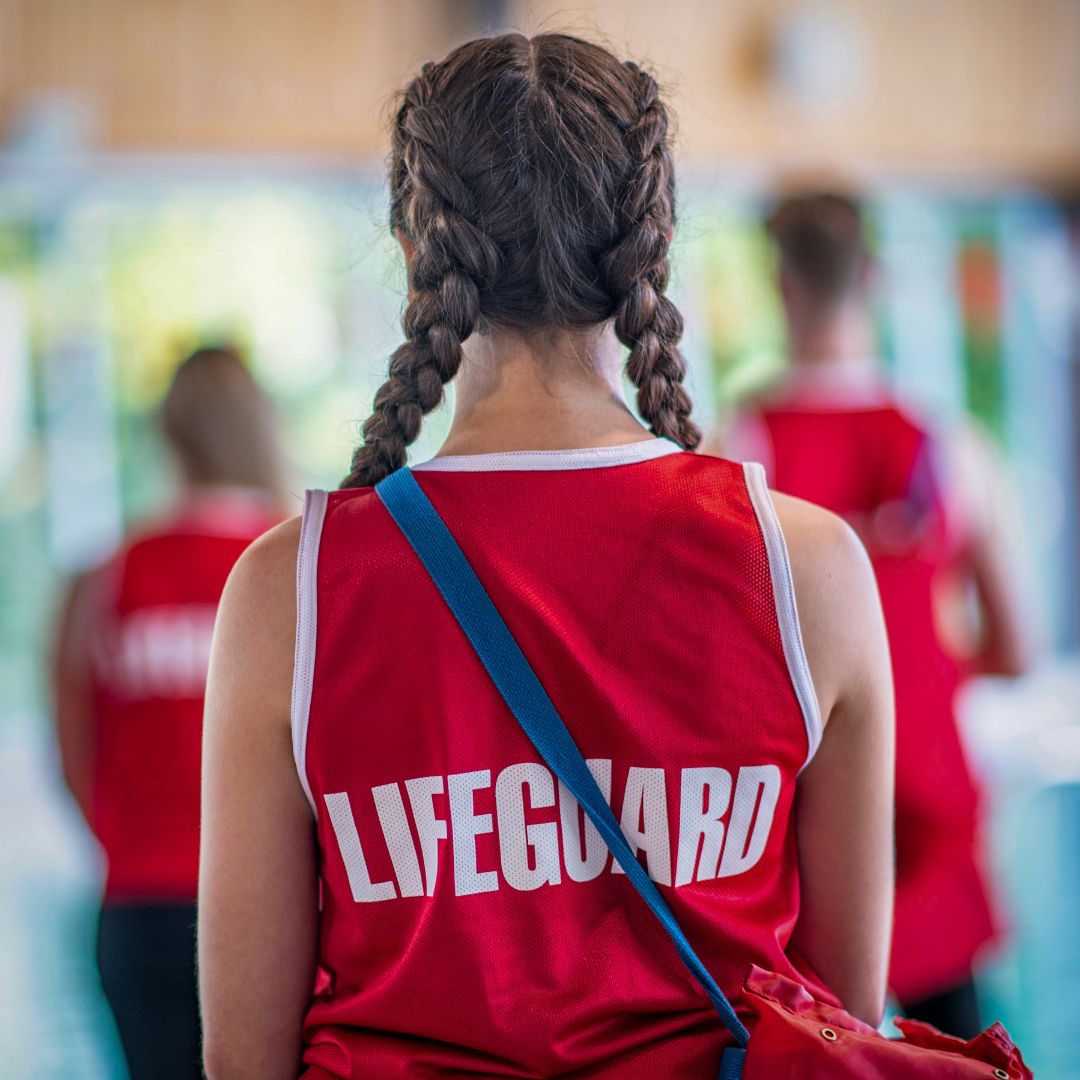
(146, 955)
(954, 1011)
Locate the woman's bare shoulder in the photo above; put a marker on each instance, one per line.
(255, 635)
(835, 592)
(817, 539)
(267, 568)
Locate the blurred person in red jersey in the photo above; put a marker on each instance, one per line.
(831, 432)
(130, 665)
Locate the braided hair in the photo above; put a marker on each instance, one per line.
(533, 182)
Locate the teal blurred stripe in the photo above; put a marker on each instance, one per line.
(54, 1023)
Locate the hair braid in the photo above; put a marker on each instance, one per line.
(451, 260)
(636, 271)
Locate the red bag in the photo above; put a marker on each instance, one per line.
(796, 1037)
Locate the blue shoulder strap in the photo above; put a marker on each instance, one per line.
(528, 701)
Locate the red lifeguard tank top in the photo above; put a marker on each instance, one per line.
(472, 922)
(836, 437)
(154, 619)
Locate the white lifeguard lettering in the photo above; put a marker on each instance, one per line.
(429, 829)
(725, 821)
(516, 838)
(705, 797)
(756, 793)
(466, 825)
(352, 854)
(645, 821)
(584, 851)
(399, 841)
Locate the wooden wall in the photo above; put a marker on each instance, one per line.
(957, 84)
(971, 86)
(248, 75)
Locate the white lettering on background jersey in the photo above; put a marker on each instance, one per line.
(722, 831)
(158, 652)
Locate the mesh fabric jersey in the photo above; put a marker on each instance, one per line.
(472, 923)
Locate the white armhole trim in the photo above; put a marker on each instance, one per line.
(307, 567)
(786, 611)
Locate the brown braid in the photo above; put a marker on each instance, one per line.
(637, 269)
(450, 257)
(533, 181)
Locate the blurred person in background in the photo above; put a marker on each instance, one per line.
(831, 432)
(353, 736)
(131, 658)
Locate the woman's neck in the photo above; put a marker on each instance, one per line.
(545, 390)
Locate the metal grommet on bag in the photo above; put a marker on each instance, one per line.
(1001, 1074)
(828, 1033)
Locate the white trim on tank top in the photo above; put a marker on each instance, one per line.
(307, 621)
(787, 613)
(598, 457)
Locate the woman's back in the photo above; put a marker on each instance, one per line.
(532, 191)
(455, 873)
